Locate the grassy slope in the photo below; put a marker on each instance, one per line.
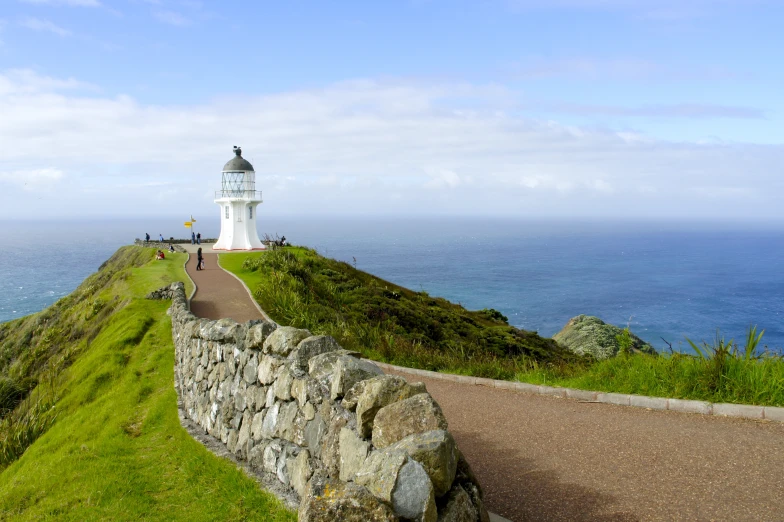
(334, 285)
(117, 450)
(385, 321)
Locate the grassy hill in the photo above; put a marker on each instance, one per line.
(387, 322)
(90, 428)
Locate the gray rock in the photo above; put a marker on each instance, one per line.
(330, 443)
(299, 390)
(308, 411)
(300, 472)
(413, 496)
(257, 334)
(398, 420)
(256, 426)
(588, 335)
(349, 371)
(435, 450)
(271, 454)
(270, 424)
(310, 347)
(282, 385)
(370, 395)
(379, 472)
(314, 433)
(250, 373)
(353, 452)
(330, 500)
(321, 367)
(285, 425)
(220, 330)
(284, 340)
(268, 368)
(457, 507)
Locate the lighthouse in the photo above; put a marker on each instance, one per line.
(238, 199)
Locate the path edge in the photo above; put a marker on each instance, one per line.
(252, 299)
(741, 411)
(185, 269)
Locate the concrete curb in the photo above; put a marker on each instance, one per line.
(252, 299)
(741, 411)
(190, 297)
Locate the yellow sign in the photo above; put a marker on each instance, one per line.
(188, 224)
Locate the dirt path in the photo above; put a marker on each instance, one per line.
(218, 293)
(545, 458)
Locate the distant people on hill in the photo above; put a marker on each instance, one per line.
(147, 237)
(283, 241)
(160, 255)
(171, 247)
(161, 237)
(193, 238)
(198, 238)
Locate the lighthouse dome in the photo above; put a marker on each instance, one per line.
(237, 163)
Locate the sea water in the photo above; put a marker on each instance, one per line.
(668, 281)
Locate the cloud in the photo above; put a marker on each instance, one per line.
(36, 24)
(172, 18)
(69, 3)
(34, 179)
(367, 146)
(681, 110)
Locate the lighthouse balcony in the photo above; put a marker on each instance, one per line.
(254, 195)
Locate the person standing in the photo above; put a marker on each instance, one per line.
(161, 237)
(193, 238)
(198, 238)
(147, 237)
(199, 260)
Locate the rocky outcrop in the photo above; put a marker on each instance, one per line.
(348, 441)
(588, 335)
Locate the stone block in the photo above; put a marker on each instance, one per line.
(552, 391)
(739, 410)
(284, 340)
(397, 421)
(620, 399)
(353, 452)
(775, 414)
(643, 401)
(329, 500)
(581, 395)
(686, 406)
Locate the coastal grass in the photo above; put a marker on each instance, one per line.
(387, 322)
(298, 287)
(112, 447)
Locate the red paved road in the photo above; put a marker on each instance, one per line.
(218, 294)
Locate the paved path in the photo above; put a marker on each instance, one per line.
(544, 458)
(218, 293)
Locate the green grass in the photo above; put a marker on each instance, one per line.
(389, 323)
(115, 449)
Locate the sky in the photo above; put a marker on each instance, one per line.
(568, 109)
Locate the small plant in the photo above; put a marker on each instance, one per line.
(625, 341)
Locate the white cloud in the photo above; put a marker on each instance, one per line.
(46, 26)
(34, 179)
(366, 146)
(172, 18)
(70, 3)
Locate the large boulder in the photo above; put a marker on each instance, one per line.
(311, 347)
(257, 334)
(370, 395)
(457, 507)
(398, 420)
(588, 335)
(349, 371)
(328, 500)
(322, 367)
(284, 340)
(435, 450)
(353, 452)
(394, 477)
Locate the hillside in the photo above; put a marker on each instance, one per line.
(91, 405)
(387, 322)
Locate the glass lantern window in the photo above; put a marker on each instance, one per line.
(237, 184)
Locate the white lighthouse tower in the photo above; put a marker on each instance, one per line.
(238, 199)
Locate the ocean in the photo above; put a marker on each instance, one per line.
(668, 281)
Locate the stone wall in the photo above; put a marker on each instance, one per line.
(352, 443)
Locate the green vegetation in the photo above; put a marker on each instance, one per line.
(389, 323)
(97, 436)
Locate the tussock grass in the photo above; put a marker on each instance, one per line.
(389, 323)
(103, 437)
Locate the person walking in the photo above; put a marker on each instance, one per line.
(147, 237)
(199, 260)
(198, 238)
